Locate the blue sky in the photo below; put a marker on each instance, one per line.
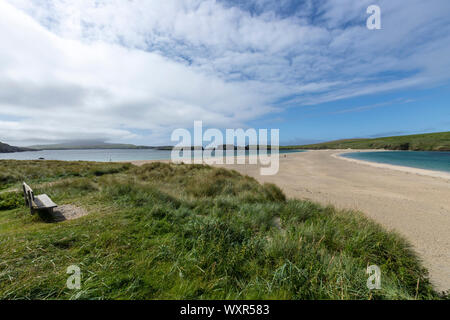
(401, 112)
(133, 71)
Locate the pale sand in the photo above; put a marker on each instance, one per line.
(68, 212)
(414, 202)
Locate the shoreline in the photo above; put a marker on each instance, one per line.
(407, 169)
(337, 153)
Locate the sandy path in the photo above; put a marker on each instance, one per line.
(408, 201)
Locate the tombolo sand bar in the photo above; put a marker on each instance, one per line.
(411, 202)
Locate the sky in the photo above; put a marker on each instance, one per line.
(132, 71)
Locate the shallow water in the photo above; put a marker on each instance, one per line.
(101, 155)
(438, 161)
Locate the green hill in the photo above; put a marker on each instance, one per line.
(167, 231)
(419, 142)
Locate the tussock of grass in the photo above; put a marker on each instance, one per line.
(10, 200)
(166, 231)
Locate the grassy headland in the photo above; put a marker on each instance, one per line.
(167, 231)
(6, 148)
(419, 142)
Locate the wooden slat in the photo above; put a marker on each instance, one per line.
(27, 187)
(43, 201)
(25, 195)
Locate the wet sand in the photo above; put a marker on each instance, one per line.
(413, 202)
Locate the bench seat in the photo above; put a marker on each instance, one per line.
(40, 202)
(44, 202)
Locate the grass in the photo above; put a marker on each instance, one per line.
(166, 231)
(420, 142)
(14, 171)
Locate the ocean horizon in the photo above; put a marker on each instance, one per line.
(430, 160)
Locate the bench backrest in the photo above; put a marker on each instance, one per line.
(28, 194)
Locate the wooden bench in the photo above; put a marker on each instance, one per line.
(41, 202)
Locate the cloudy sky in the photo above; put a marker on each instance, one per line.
(134, 70)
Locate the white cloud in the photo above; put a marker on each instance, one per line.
(134, 70)
(72, 88)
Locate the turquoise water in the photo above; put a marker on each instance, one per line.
(101, 155)
(438, 161)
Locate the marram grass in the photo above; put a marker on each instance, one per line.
(166, 231)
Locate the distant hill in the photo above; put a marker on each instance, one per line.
(88, 145)
(418, 142)
(6, 148)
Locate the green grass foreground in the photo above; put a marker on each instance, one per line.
(439, 141)
(166, 231)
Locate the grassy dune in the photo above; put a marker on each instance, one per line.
(419, 142)
(166, 231)
(14, 171)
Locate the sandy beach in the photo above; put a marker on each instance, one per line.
(413, 202)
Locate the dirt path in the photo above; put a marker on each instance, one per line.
(412, 203)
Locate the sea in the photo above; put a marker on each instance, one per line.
(103, 155)
(438, 161)
(430, 160)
